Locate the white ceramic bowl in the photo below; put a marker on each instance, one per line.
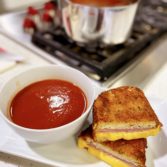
(9, 89)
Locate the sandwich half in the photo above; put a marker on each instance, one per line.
(120, 153)
(123, 113)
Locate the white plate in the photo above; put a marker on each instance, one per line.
(66, 153)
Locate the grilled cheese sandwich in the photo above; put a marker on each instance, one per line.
(120, 153)
(123, 113)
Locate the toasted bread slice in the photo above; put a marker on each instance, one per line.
(120, 153)
(123, 113)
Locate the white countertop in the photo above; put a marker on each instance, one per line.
(150, 75)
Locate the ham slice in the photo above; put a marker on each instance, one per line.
(111, 153)
(124, 130)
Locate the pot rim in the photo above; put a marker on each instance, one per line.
(104, 7)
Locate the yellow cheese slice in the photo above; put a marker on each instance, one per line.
(101, 155)
(112, 136)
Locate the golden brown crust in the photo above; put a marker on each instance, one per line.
(134, 149)
(123, 105)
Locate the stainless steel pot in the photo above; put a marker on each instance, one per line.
(109, 25)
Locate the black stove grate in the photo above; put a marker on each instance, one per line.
(150, 24)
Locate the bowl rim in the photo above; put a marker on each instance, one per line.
(87, 111)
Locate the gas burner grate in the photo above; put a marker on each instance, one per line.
(99, 61)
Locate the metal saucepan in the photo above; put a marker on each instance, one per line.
(109, 25)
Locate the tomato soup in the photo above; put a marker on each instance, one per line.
(104, 3)
(47, 104)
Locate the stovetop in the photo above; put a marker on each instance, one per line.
(101, 62)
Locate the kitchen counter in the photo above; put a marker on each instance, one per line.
(12, 47)
(148, 73)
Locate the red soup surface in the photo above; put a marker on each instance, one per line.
(47, 104)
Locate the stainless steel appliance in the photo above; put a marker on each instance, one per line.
(109, 25)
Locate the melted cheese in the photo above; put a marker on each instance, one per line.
(126, 135)
(101, 155)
